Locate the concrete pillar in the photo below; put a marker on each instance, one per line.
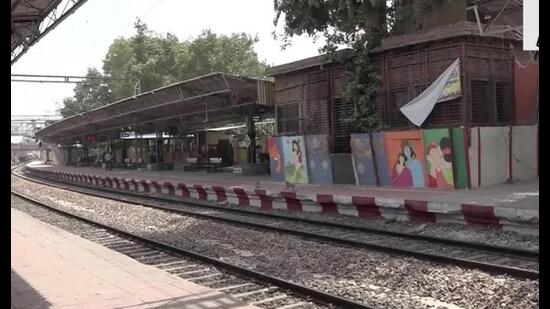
(251, 129)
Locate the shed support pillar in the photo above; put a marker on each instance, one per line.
(251, 129)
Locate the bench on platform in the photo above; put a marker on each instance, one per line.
(214, 165)
(192, 164)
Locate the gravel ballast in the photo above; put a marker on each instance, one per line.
(367, 276)
(470, 233)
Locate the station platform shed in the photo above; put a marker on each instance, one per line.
(209, 121)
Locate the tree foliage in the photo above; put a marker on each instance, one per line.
(93, 92)
(360, 25)
(150, 57)
(158, 60)
(232, 54)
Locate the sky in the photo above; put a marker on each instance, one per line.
(82, 40)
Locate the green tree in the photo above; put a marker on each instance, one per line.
(211, 52)
(158, 60)
(93, 92)
(360, 25)
(152, 58)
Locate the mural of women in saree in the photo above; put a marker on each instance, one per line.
(295, 159)
(408, 169)
(401, 174)
(414, 165)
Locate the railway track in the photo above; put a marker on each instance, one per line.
(499, 260)
(250, 286)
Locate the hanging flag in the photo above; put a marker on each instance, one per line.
(445, 87)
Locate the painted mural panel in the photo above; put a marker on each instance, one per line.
(276, 162)
(439, 158)
(461, 181)
(319, 164)
(405, 153)
(294, 154)
(381, 158)
(362, 157)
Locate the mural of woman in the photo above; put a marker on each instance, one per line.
(401, 175)
(297, 154)
(447, 163)
(414, 165)
(297, 159)
(437, 165)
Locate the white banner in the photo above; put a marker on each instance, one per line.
(531, 25)
(446, 87)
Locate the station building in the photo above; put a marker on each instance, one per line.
(499, 94)
(486, 135)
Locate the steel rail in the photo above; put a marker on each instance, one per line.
(445, 241)
(306, 292)
(466, 263)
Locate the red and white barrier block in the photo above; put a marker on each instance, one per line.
(358, 206)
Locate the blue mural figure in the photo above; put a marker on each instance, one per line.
(414, 165)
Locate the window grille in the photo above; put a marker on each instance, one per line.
(288, 119)
(480, 101)
(398, 98)
(503, 101)
(341, 110)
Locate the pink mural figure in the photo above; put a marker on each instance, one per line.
(275, 155)
(297, 155)
(438, 165)
(297, 171)
(401, 174)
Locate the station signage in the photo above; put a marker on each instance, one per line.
(91, 138)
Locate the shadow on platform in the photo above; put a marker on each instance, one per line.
(24, 296)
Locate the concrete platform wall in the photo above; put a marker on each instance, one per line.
(366, 207)
(524, 152)
(495, 155)
(59, 155)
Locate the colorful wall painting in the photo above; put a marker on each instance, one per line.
(276, 161)
(439, 158)
(362, 157)
(461, 172)
(294, 154)
(381, 159)
(405, 153)
(319, 165)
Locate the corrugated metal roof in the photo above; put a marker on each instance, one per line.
(32, 19)
(217, 93)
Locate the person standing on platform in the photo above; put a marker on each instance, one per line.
(108, 163)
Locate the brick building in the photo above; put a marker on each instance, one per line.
(496, 89)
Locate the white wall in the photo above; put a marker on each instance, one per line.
(59, 155)
(494, 155)
(524, 152)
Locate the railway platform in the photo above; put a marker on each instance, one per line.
(507, 205)
(52, 268)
